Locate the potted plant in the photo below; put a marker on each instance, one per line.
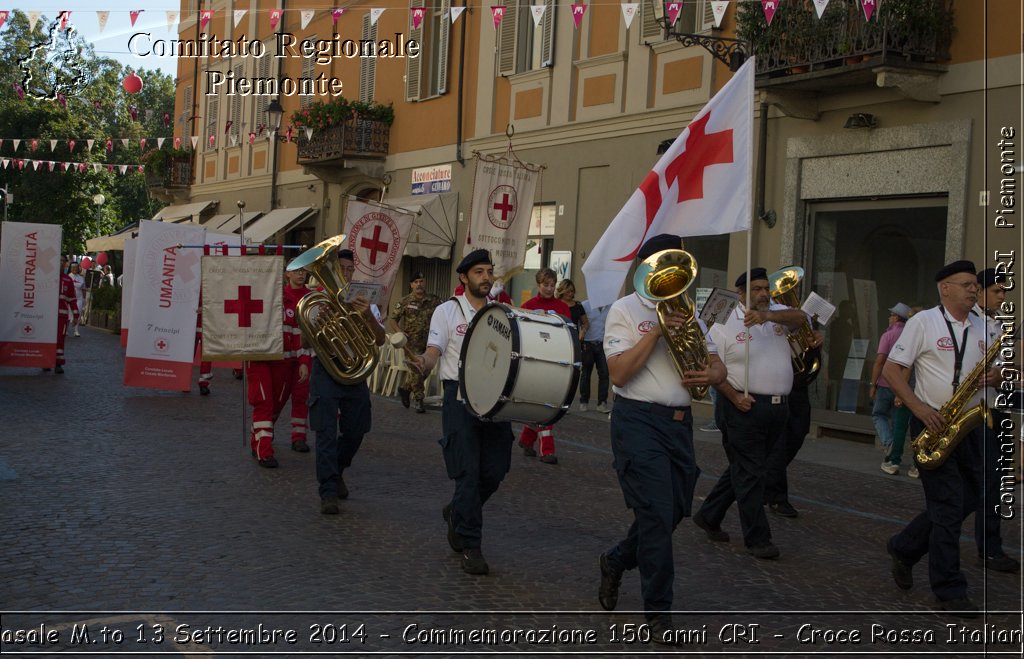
(322, 115)
(158, 163)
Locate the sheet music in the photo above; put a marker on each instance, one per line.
(718, 306)
(370, 290)
(815, 304)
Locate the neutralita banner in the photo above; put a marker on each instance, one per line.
(30, 270)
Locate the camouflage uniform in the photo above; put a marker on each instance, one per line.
(413, 318)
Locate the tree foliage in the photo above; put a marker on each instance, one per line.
(100, 110)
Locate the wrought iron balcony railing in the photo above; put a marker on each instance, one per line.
(354, 139)
(177, 175)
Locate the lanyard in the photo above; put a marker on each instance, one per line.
(958, 350)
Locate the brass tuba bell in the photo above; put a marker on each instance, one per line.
(344, 343)
(782, 288)
(663, 277)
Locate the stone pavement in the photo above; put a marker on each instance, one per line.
(138, 515)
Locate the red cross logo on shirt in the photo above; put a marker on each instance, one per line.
(374, 244)
(244, 306)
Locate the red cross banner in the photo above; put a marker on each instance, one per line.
(243, 317)
(500, 213)
(30, 270)
(377, 235)
(164, 302)
(701, 186)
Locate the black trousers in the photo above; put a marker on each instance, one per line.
(341, 415)
(776, 484)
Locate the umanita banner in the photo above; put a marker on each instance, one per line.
(164, 303)
(30, 270)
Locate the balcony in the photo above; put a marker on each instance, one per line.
(169, 176)
(354, 139)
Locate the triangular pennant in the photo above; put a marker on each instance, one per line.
(718, 8)
(275, 17)
(96, 167)
(33, 145)
(50, 164)
(89, 143)
(133, 112)
(211, 140)
(537, 11)
(578, 9)
(239, 13)
(309, 132)
(71, 146)
(769, 7)
(497, 13)
(103, 17)
(20, 163)
(252, 137)
(65, 16)
(19, 91)
(167, 119)
(3, 18)
(53, 145)
(124, 142)
(160, 142)
(177, 142)
(140, 168)
(195, 142)
(375, 14)
(819, 6)
(81, 166)
(1, 143)
(305, 16)
(134, 15)
(35, 165)
(16, 144)
(629, 10)
(172, 18)
(68, 166)
(33, 18)
(234, 140)
(142, 144)
(672, 10)
(110, 146)
(4, 162)
(456, 12)
(205, 16)
(123, 168)
(336, 13)
(417, 16)
(869, 8)
(227, 126)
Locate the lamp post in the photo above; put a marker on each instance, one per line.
(274, 114)
(98, 200)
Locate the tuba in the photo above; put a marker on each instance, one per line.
(340, 337)
(663, 277)
(806, 360)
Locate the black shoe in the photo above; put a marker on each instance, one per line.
(549, 459)
(47, 370)
(418, 406)
(962, 606)
(714, 533)
(608, 593)
(902, 573)
(204, 389)
(454, 541)
(783, 509)
(342, 488)
(1001, 563)
(269, 463)
(300, 446)
(528, 451)
(59, 369)
(765, 550)
(663, 632)
(329, 506)
(404, 395)
(473, 561)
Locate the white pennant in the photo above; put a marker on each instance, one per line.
(172, 18)
(239, 13)
(53, 145)
(456, 12)
(629, 10)
(538, 13)
(195, 141)
(123, 168)
(35, 165)
(306, 16)
(309, 132)
(4, 161)
(819, 6)
(375, 14)
(124, 142)
(102, 16)
(234, 139)
(89, 144)
(33, 18)
(17, 143)
(160, 142)
(718, 8)
(95, 167)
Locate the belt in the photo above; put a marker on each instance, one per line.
(674, 413)
(771, 399)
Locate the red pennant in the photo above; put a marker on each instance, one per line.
(869, 8)
(51, 164)
(275, 18)
(417, 16)
(62, 99)
(3, 17)
(33, 144)
(135, 15)
(81, 166)
(65, 16)
(110, 146)
(110, 168)
(142, 144)
(212, 140)
(134, 112)
(769, 7)
(167, 119)
(577, 13)
(140, 169)
(205, 16)
(71, 146)
(227, 126)
(177, 142)
(336, 13)
(672, 10)
(252, 138)
(19, 91)
(497, 13)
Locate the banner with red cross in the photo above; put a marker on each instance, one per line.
(164, 302)
(30, 270)
(377, 236)
(503, 192)
(243, 317)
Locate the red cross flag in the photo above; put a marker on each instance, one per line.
(377, 236)
(242, 310)
(701, 186)
(501, 210)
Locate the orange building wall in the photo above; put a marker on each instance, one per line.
(1003, 36)
(604, 29)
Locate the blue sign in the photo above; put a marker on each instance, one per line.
(431, 187)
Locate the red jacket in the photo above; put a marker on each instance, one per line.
(67, 301)
(292, 334)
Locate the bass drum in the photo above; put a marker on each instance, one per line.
(519, 366)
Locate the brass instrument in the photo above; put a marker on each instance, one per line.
(663, 277)
(341, 338)
(931, 449)
(782, 288)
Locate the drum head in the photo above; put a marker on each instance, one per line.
(486, 368)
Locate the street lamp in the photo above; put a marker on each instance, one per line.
(98, 200)
(274, 114)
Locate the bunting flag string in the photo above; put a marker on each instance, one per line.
(35, 143)
(62, 165)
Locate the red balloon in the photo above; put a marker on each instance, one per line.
(86, 263)
(101, 258)
(132, 83)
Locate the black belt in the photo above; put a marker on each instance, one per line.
(675, 413)
(771, 399)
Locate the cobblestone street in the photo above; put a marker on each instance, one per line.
(140, 511)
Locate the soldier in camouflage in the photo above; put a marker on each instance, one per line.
(413, 314)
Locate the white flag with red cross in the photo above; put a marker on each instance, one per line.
(700, 187)
(377, 236)
(242, 308)
(503, 191)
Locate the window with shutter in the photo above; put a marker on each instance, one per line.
(367, 65)
(651, 30)
(236, 105)
(413, 65)
(547, 31)
(187, 129)
(444, 25)
(706, 16)
(522, 45)
(308, 73)
(212, 112)
(507, 31)
(262, 101)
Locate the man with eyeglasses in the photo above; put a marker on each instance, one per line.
(942, 345)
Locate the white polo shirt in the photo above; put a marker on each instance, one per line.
(448, 326)
(629, 320)
(927, 346)
(770, 364)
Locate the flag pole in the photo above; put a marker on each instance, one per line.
(241, 249)
(746, 306)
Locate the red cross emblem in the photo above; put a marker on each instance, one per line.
(502, 206)
(375, 245)
(244, 306)
(377, 234)
(160, 345)
(27, 329)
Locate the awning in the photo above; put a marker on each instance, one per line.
(114, 241)
(281, 219)
(433, 231)
(228, 222)
(182, 212)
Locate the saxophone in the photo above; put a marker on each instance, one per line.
(663, 277)
(932, 449)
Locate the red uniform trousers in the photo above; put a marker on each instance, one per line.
(547, 438)
(300, 400)
(63, 320)
(269, 384)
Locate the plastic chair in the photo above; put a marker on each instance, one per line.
(396, 371)
(376, 380)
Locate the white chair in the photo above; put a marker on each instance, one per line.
(396, 370)
(376, 380)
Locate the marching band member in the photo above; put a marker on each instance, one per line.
(652, 444)
(340, 414)
(412, 314)
(67, 311)
(941, 345)
(299, 359)
(750, 422)
(477, 454)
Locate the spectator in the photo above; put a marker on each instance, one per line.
(593, 355)
(884, 412)
(79, 281)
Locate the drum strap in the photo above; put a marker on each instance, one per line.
(464, 306)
